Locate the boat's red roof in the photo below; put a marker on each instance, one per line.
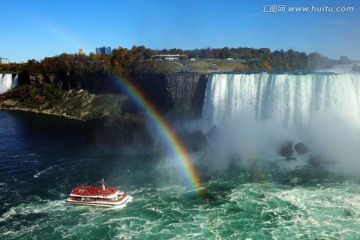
(93, 191)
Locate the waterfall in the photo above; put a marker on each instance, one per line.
(16, 81)
(7, 82)
(291, 100)
(255, 114)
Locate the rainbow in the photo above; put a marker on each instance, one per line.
(166, 131)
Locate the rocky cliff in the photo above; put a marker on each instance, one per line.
(97, 83)
(175, 92)
(182, 93)
(187, 91)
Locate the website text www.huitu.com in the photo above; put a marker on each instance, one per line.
(273, 8)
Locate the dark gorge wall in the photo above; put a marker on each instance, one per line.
(182, 93)
(187, 91)
(98, 83)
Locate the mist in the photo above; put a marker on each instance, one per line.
(261, 116)
(336, 138)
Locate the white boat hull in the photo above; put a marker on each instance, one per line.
(99, 203)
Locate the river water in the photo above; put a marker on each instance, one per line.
(42, 158)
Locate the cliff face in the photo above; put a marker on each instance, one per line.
(181, 93)
(97, 83)
(176, 92)
(187, 91)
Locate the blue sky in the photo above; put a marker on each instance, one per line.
(35, 29)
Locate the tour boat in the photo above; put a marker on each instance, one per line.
(102, 196)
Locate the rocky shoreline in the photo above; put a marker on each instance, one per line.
(46, 112)
(74, 104)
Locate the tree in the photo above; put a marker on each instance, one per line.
(266, 65)
(317, 61)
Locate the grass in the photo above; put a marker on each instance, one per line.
(166, 66)
(217, 65)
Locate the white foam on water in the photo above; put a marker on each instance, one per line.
(26, 155)
(50, 170)
(121, 206)
(281, 212)
(43, 171)
(41, 206)
(322, 212)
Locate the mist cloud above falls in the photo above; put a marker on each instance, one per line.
(336, 138)
(247, 138)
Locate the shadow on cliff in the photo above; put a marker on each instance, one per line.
(96, 83)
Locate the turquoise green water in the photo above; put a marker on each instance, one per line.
(39, 168)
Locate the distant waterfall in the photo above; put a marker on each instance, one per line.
(7, 82)
(290, 100)
(15, 81)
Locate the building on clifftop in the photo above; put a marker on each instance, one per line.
(81, 52)
(103, 50)
(4, 60)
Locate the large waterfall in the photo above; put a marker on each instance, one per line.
(257, 113)
(7, 81)
(288, 99)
